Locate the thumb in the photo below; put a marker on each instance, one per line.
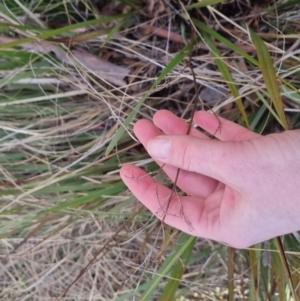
(223, 161)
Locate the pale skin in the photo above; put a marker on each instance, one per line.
(240, 189)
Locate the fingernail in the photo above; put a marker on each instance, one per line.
(159, 148)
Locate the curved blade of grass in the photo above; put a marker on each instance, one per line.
(173, 283)
(279, 275)
(270, 78)
(183, 245)
(230, 273)
(203, 28)
(226, 75)
(257, 116)
(94, 196)
(268, 106)
(284, 6)
(253, 260)
(50, 33)
(291, 93)
(202, 253)
(264, 265)
(204, 3)
(174, 62)
(4, 11)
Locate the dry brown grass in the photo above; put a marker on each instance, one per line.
(61, 199)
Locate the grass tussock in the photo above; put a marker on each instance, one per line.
(74, 77)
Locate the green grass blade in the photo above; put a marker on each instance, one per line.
(174, 62)
(204, 3)
(270, 78)
(226, 75)
(184, 243)
(253, 260)
(6, 12)
(257, 118)
(173, 283)
(50, 33)
(230, 272)
(279, 275)
(203, 28)
(292, 94)
(96, 196)
(286, 5)
(286, 267)
(268, 106)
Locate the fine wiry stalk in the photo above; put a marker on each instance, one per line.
(194, 102)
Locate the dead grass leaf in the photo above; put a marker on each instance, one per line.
(104, 69)
(161, 32)
(107, 71)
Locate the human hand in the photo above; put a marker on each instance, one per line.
(241, 189)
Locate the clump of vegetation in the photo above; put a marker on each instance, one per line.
(74, 77)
